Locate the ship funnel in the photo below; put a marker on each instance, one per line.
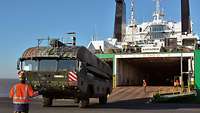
(120, 20)
(185, 17)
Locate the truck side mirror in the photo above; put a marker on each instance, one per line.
(18, 64)
(79, 65)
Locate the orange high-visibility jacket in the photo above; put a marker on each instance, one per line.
(144, 83)
(21, 93)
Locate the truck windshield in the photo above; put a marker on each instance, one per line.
(49, 65)
(64, 65)
(30, 65)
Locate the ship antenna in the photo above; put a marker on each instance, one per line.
(157, 6)
(132, 18)
(158, 14)
(94, 37)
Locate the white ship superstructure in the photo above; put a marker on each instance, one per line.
(155, 35)
(156, 32)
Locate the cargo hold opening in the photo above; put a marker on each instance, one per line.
(159, 71)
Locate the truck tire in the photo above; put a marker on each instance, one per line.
(47, 102)
(103, 99)
(83, 103)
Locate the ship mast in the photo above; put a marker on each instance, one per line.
(132, 18)
(158, 14)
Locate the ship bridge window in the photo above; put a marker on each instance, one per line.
(157, 35)
(157, 28)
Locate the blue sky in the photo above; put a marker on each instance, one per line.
(24, 21)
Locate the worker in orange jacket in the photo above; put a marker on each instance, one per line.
(21, 93)
(145, 86)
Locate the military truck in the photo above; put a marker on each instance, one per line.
(66, 72)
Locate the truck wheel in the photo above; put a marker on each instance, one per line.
(103, 99)
(83, 103)
(47, 102)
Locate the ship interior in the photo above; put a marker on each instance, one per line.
(156, 71)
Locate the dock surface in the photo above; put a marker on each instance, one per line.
(124, 106)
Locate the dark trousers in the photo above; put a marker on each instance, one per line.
(21, 108)
(20, 112)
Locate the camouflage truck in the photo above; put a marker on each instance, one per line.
(66, 72)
